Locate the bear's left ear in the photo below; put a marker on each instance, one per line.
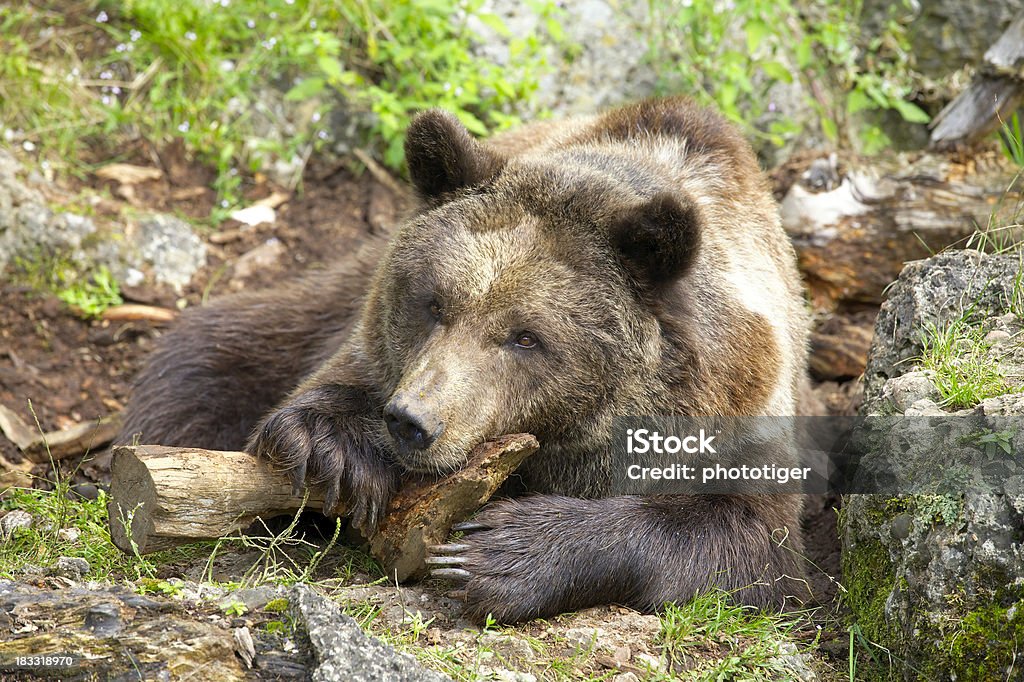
(443, 157)
(657, 240)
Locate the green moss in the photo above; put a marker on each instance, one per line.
(279, 605)
(983, 645)
(869, 579)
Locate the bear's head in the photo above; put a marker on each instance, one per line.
(523, 299)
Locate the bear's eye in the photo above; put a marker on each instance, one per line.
(435, 309)
(527, 340)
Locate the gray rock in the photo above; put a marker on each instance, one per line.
(343, 652)
(69, 534)
(72, 568)
(14, 520)
(608, 68)
(934, 578)
(170, 246)
(904, 391)
(934, 292)
(256, 598)
(30, 229)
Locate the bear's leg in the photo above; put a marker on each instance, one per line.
(543, 555)
(224, 366)
(328, 435)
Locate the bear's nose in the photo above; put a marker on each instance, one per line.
(408, 428)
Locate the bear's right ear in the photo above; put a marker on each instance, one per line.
(657, 240)
(443, 157)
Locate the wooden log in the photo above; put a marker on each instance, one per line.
(852, 240)
(992, 96)
(161, 497)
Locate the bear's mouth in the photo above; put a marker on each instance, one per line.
(440, 459)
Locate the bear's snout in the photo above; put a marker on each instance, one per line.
(411, 423)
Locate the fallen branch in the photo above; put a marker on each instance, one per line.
(78, 439)
(161, 497)
(133, 311)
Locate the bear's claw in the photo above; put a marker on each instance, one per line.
(470, 526)
(451, 573)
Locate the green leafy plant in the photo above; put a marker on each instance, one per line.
(730, 54)
(211, 75)
(93, 295)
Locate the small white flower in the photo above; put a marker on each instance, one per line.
(316, 116)
(458, 91)
(116, 90)
(134, 35)
(250, 23)
(121, 47)
(102, 17)
(322, 134)
(106, 75)
(183, 127)
(105, 99)
(312, 23)
(28, 146)
(190, 35)
(273, 15)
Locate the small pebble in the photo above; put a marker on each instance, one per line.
(72, 568)
(69, 534)
(997, 336)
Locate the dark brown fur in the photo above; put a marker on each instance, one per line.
(623, 245)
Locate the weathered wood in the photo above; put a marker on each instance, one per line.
(422, 515)
(161, 497)
(77, 439)
(992, 96)
(130, 312)
(839, 347)
(853, 240)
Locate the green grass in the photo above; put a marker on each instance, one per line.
(965, 371)
(712, 622)
(42, 544)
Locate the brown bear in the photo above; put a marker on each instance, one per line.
(556, 277)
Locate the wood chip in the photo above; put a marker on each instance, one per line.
(128, 174)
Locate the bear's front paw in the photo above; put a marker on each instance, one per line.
(313, 440)
(519, 560)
